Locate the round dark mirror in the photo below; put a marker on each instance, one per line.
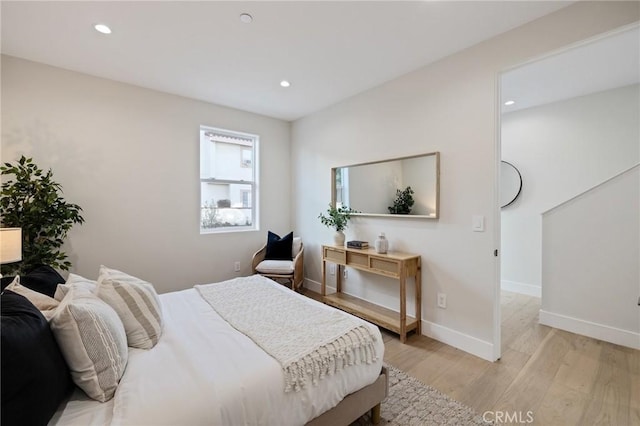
(510, 183)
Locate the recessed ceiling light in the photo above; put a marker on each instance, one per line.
(245, 18)
(285, 83)
(509, 103)
(102, 28)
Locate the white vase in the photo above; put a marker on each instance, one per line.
(338, 238)
(382, 244)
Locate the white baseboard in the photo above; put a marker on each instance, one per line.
(591, 329)
(462, 341)
(451, 337)
(316, 286)
(522, 288)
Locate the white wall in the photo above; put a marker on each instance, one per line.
(561, 150)
(449, 106)
(590, 269)
(130, 158)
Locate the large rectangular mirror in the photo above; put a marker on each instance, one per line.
(372, 188)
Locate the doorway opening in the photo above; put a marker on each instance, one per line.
(567, 150)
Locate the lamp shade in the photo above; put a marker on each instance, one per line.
(10, 245)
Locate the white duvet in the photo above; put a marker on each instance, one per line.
(204, 372)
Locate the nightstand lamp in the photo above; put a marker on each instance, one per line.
(10, 245)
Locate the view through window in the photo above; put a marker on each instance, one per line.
(228, 180)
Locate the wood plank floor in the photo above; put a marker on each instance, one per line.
(560, 378)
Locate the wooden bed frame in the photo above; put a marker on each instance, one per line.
(355, 405)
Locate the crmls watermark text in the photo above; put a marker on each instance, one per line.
(498, 417)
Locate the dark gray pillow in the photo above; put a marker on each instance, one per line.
(43, 279)
(5, 281)
(35, 377)
(279, 248)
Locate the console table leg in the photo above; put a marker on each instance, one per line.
(403, 309)
(418, 281)
(323, 288)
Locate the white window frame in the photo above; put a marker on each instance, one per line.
(230, 136)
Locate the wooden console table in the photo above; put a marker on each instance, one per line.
(393, 265)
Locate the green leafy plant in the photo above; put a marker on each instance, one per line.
(403, 202)
(33, 201)
(337, 218)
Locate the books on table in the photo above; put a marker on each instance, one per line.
(358, 244)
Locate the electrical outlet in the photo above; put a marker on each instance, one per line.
(442, 300)
(332, 269)
(345, 273)
(236, 266)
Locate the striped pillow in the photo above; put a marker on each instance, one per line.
(93, 342)
(137, 304)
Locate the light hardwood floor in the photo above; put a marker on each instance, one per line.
(561, 378)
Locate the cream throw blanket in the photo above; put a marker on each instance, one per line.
(309, 342)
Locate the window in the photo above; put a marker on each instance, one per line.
(228, 187)
(246, 198)
(247, 155)
(342, 186)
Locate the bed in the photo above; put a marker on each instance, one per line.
(203, 371)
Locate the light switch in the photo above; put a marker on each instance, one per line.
(478, 224)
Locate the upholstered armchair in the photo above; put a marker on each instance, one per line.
(291, 271)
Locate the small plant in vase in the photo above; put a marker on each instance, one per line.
(337, 218)
(403, 202)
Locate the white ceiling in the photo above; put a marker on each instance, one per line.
(598, 65)
(328, 50)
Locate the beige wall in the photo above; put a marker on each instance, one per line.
(130, 158)
(449, 106)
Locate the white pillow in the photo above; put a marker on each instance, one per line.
(76, 281)
(296, 245)
(93, 342)
(137, 304)
(44, 303)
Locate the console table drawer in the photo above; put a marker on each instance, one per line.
(335, 255)
(385, 266)
(357, 259)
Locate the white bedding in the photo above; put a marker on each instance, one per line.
(204, 372)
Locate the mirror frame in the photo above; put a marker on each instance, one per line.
(406, 216)
(512, 197)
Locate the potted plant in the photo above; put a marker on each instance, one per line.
(32, 200)
(337, 218)
(403, 202)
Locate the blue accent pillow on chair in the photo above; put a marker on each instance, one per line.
(279, 248)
